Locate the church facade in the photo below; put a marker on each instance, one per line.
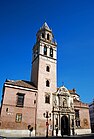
(38, 104)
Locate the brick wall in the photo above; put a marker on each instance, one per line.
(28, 111)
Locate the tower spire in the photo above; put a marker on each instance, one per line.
(45, 26)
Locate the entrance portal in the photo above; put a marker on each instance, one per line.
(64, 125)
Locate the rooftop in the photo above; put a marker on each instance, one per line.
(21, 83)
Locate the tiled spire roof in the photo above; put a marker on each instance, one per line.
(45, 26)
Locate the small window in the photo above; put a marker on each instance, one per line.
(47, 83)
(42, 35)
(48, 68)
(20, 100)
(34, 101)
(18, 117)
(45, 50)
(47, 36)
(6, 109)
(51, 52)
(47, 98)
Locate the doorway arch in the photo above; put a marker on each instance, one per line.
(64, 125)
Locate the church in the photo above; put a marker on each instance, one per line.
(39, 104)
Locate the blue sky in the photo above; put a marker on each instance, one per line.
(72, 22)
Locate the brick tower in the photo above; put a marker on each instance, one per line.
(44, 74)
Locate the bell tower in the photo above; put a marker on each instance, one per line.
(44, 73)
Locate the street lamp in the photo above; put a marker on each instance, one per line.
(47, 115)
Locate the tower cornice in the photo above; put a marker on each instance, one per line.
(47, 41)
(44, 56)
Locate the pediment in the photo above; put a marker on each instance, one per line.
(63, 91)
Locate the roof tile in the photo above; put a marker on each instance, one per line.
(21, 83)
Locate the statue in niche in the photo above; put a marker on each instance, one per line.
(55, 102)
(65, 103)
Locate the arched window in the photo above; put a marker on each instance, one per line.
(43, 35)
(47, 36)
(48, 69)
(47, 98)
(47, 83)
(51, 52)
(45, 50)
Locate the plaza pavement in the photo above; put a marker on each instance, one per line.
(88, 136)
